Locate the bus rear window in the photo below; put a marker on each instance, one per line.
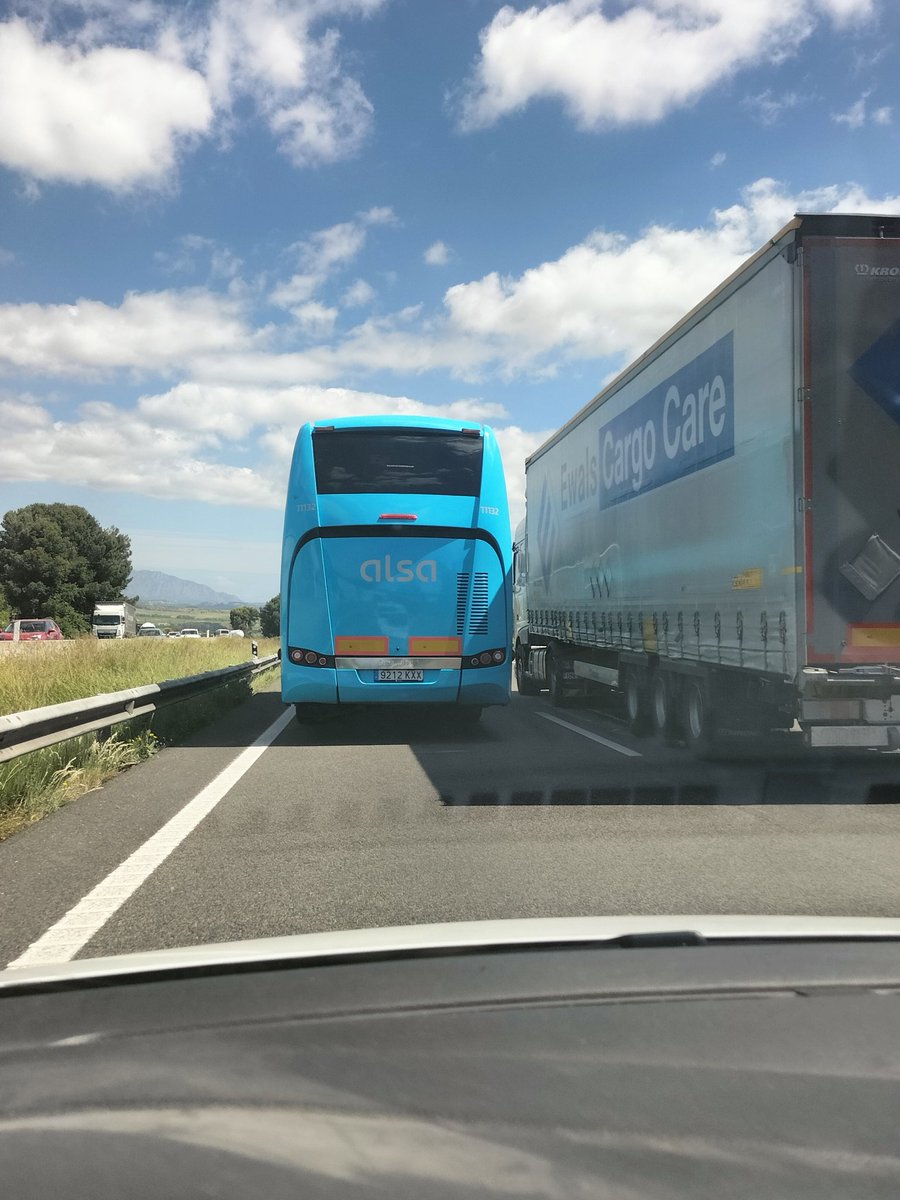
(397, 460)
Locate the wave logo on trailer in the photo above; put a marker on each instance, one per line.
(877, 371)
(684, 424)
(547, 531)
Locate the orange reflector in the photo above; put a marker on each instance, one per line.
(435, 645)
(874, 635)
(360, 645)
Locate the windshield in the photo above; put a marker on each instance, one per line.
(310, 312)
(394, 460)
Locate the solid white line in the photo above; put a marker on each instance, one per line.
(72, 932)
(594, 737)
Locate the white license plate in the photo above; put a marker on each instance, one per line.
(399, 676)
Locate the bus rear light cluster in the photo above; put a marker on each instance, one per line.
(309, 658)
(487, 658)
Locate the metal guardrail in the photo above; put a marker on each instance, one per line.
(22, 732)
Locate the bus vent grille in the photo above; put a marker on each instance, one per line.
(478, 616)
(462, 595)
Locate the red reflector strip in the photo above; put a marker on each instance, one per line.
(360, 645)
(435, 645)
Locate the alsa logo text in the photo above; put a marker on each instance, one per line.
(404, 570)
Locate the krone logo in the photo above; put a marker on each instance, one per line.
(877, 272)
(404, 570)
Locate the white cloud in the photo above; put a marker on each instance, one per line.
(234, 412)
(147, 331)
(379, 215)
(296, 290)
(515, 446)
(613, 296)
(266, 50)
(634, 64)
(358, 294)
(315, 320)
(855, 115)
(112, 116)
(437, 254)
(193, 253)
(858, 114)
(99, 451)
(769, 108)
(323, 253)
(717, 159)
(117, 97)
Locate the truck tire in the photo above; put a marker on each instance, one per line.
(698, 719)
(634, 687)
(525, 685)
(663, 708)
(555, 684)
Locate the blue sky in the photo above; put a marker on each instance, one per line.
(219, 220)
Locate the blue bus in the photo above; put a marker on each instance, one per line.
(396, 566)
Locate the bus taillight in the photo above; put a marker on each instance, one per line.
(487, 658)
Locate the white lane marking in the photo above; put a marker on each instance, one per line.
(594, 737)
(72, 932)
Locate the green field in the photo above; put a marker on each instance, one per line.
(172, 618)
(39, 673)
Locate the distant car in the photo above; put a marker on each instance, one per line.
(173, 633)
(224, 632)
(150, 631)
(33, 630)
(235, 633)
(191, 633)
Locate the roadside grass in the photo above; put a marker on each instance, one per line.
(37, 784)
(35, 674)
(41, 782)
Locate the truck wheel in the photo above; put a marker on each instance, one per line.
(525, 685)
(635, 701)
(698, 720)
(555, 683)
(663, 709)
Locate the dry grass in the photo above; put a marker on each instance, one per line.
(41, 782)
(35, 674)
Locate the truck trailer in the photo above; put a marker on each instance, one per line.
(717, 533)
(114, 620)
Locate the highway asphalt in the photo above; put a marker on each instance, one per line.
(385, 818)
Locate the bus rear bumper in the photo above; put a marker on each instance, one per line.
(326, 685)
(362, 686)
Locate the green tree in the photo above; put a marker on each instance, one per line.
(245, 618)
(270, 617)
(57, 561)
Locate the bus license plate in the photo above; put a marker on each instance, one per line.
(399, 676)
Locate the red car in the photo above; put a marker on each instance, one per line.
(33, 630)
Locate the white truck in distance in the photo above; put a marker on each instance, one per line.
(114, 620)
(717, 534)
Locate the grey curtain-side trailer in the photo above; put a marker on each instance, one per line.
(717, 533)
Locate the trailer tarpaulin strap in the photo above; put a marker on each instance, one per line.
(874, 569)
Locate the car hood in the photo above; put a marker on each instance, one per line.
(451, 936)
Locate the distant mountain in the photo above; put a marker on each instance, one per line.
(155, 587)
